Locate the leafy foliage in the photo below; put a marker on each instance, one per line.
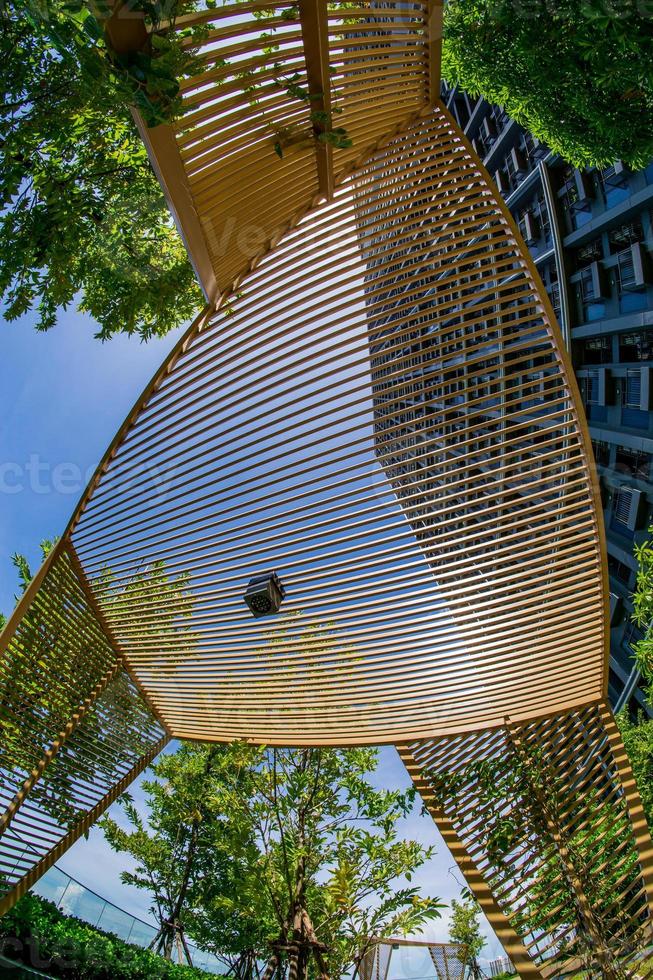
(190, 852)
(638, 741)
(332, 858)
(35, 933)
(41, 679)
(643, 606)
(521, 807)
(465, 929)
(579, 76)
(83, 217)
(258, 851)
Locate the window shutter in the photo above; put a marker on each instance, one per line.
(633, 391)
(644, 389)
(626, 507)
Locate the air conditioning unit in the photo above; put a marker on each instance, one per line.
(518, 159)
(615, 607)
(502, 182)
(645, 401)
(600, 281)
(641, 263)
(488, 129)
(584, 185)
(628, 506)
(530, 227)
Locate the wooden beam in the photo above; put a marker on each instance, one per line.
(435, 10)
(126, 32)
(508, 937)
(162, 149)
(315, 34)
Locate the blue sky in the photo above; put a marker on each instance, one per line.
(63, 395)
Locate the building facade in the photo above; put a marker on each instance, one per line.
(590, 234)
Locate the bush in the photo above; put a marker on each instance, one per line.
(579, 76)
(35, 933)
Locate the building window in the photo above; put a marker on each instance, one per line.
(633, 462)
(632, 635)
(601, 452)
(625, 235)
(596, 350)
(614, 184)
(542, 213)
(589, 387)
(553, 289)
(636, 346)
(592, 252)
(617, 569)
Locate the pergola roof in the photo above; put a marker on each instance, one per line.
(372, 66)
(376, 405)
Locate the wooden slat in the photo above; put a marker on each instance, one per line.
(583, 758)
(313, 14)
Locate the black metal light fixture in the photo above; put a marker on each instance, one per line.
(264, 594)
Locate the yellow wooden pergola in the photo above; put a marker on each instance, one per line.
(383, 961)
(377, 405)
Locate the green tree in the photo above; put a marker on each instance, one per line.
(638, 741)
(643, 606)
(579, 76)
(288, 856)
(465, 929)
(331, 858)
(83, 217)
(189, 851)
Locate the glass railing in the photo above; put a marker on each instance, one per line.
(73, 898)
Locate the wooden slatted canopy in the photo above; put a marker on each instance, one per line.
(270, 70)
(383, 417)
(377, 407)
(376, 404)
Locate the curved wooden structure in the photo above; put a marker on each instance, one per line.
(385, 960)
(377, 405)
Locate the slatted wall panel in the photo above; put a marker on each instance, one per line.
(548, 815)
(73, 728)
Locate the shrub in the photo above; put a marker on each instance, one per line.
(35, 933)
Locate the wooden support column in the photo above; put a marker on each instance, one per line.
(510, 940)
(315, 34)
